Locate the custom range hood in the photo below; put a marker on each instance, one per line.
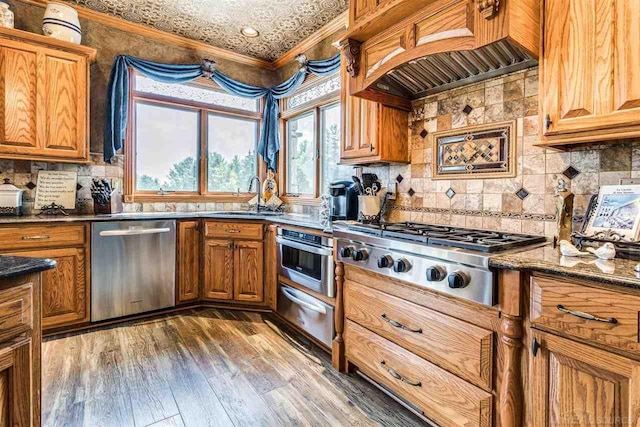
(442, 45)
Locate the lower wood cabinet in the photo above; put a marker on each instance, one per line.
(218, 269)
(248, 271)
(233, 268)
(188, 261)
(574, 384)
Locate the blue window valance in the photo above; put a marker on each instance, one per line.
(269, 144)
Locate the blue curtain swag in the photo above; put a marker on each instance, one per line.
(269, 144)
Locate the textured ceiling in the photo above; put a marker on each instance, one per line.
(281, 23)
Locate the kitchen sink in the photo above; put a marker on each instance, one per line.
(249, 213)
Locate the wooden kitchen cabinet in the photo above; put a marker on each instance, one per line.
(248, 271)
(233, 268)
(374, 133)
(589, 71)
(44, 98)
(66, 288)
(188, 261)
(218, 269)
(576, 384)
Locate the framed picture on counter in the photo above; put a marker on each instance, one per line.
(616, 213)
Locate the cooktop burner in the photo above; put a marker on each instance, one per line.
(454, 237)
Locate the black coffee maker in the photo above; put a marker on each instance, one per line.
(344, 200)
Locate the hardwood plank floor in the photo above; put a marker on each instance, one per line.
(204, 367)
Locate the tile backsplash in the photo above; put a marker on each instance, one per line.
(495, 203)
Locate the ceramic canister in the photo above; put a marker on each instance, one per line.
(61, 22)
(6, 16)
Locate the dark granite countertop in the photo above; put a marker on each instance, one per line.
(549, 260)
(12, 266)
(299, 220)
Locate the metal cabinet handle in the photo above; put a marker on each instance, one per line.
(399, 377)
(43, 237)
(586, 316)
(535, 346)
(313, 307)
(228, 230)
(397, 324)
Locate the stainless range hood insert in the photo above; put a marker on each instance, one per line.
(448, 70)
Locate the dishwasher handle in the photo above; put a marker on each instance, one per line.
(134, 232)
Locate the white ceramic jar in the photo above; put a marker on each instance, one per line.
(6, 16)
(61, 22)
(10, 199)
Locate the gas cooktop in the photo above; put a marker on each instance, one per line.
(452, 237)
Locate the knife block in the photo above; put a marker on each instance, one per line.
(113, 207)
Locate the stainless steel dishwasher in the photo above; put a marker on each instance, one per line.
(133, 265)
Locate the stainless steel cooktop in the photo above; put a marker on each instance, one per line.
(451, 260)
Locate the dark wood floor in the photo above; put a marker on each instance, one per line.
(204, 367)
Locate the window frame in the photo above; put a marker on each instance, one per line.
(131, 194)
(286, 114)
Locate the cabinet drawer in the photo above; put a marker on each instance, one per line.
(233, 230)
(444, 398)
(16, 311)
(41, 236)
(457, 346)
(594, 314)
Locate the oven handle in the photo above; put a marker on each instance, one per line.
(303, 247)
(317, 308)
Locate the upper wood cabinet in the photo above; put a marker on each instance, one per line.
(573, 384)
(590, 71)
(44, 98)
(373, 132)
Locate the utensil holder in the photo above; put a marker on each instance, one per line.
(368, 209)
(113, 206)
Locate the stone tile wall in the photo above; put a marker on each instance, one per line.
(493, 203)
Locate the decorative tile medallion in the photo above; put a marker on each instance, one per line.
(486, 151)
(424, 133)
(30, 185)
(411, 192)
(467, 110)
(571, 172)
(399, 179)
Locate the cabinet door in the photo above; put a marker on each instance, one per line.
(19, 385)
(65, 291)
(590, 73)
(575, 384)
(248, 261)
(218, 269)
(65, 103)
(18, 93)
(359, 118)
(188, 254)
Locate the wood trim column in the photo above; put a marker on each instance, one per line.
(511, 334)
(337, 347)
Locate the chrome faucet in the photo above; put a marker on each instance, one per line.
(253, 178)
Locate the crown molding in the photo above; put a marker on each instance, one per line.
(340, 22)
(144, 30)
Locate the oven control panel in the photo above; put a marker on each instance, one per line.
(451, 278)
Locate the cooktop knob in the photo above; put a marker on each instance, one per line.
(346, 251)
(385, 261)
(436, 274)
(360, 255)
(401, 265)
(458, 280)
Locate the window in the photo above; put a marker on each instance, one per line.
(311, 151)
(189, 141)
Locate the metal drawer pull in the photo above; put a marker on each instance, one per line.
(313, 307)
(228, 230)
(586, 316)
(397, 376)
(397, 324)
(43, 237)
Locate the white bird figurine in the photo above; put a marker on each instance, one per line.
(567, 249)
(606, 251)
